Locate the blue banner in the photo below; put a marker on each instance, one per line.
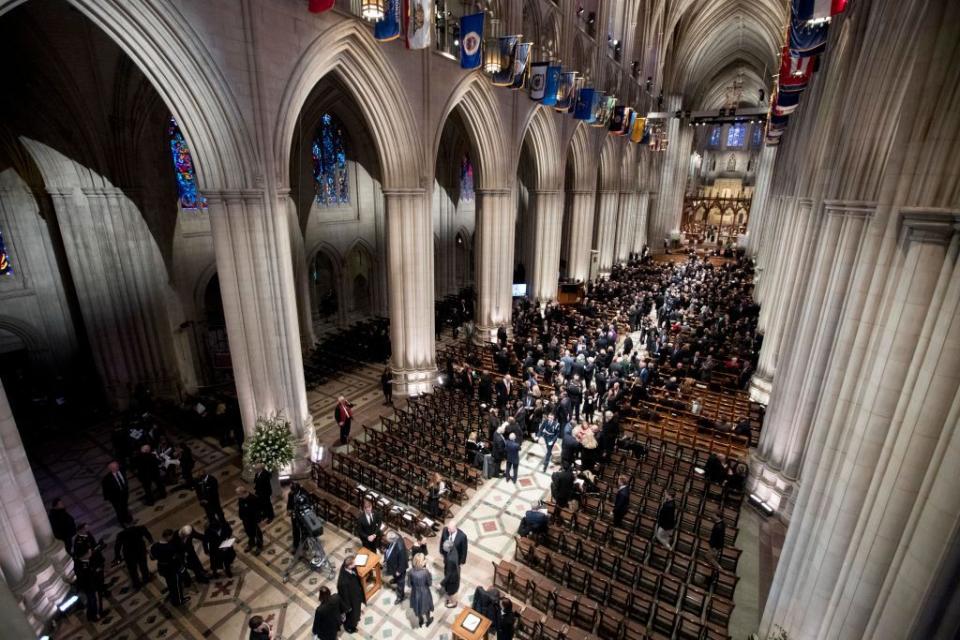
(504, 77)
(566, 91)
(471, 39)
(521, 53)
(584, 108)
(550, 86)
(805, 39)
(388, 28)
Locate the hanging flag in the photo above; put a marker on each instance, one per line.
(795, 72)
(807, 39)
(319, 6)
(786, 103)
(600, 117)
(607, 107)
(521, 54)
(639, 125)
(389, 28)
(550, 85)
(565, 90)
(817, 10)
(6, 266)
(419, 21)
(629, 115)
(504, 77)
(645, 138)
(584, 104)
(538, 80)
(616, 120)
(471, 35)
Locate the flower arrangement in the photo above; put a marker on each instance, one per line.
(271, 444)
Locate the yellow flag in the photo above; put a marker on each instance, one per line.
(637, 134)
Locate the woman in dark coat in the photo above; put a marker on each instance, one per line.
(421, 600)
(326, 619)
(350, 590)
(451, 572)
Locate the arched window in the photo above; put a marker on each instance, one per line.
(6, 265)
(757, 135)
(330, 163)
(190, 198)
(715, 137)
(466, 179)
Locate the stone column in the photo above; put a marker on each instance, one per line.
(34, 564)
(757, 223)
(673, 177)
(626, 226)
(495, 229)
(643, 210)
(301, 272)
(547, 212)
(887, 449)
(255, 268)
(581, 234)
(606, 227)
(792, 403)
(410, 289)
(15, 620)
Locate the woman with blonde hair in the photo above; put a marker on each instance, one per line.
(421, 600)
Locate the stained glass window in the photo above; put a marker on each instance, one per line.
(190, 198)
(757, 135)
(330, 163)
(735, 136)
(715, 137)
(466, 179)
(6, 265)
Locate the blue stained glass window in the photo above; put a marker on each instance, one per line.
(330, 163)
(6, 265)
(466, 179)
(715, 137)
(190, 198)
(757, 135)
(736, 135)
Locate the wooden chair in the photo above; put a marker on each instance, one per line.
(664, 619)
(598, 588)
(528, 624)
(587, 613)
(719, 611)
(611, 625)
(564, 605)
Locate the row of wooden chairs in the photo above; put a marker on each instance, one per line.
(411, 491)
(387, 447)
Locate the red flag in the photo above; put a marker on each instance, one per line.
(317, 6)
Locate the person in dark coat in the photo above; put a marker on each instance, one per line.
(718, 535)
(609, 433)
(534, 521)
(549, 431)
(508, 620)
(621, 501)
(421, 599)
(386, 384)
(170, 566)
(116, 491)
(459, 540)
(568, 445)
(89, 571)
(512, 448)
(263, 487)
(208, 493)
(131, 547)
(184, 540)
(368, 527)
(498, 449)
(396, 562)
(451, 571)
(326, 619)
(343, 415)
(62, 524)
(147, 465)
(214, 535)
(185, 456)
(352, 596)
(561, 486)
(248, 507)
(666, 520)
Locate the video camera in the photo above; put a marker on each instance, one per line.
(305, 517)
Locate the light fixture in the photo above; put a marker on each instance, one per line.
(67, 603)
(493, 59)
(456, 42)
(373, 10)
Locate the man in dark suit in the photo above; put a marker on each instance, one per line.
(503, 387)
(326, 619)
(208, 493)
(263, 487)
(248, 508)
(534, 521)
(116, 491)
(561, 486)
(131, 547)
(502, 335)
(147, 465)
(459, 541)
(621, 501)
(352, 596)
(368, 527)
(170, 566)
(396, 562)
(62, 524)
(343, 414)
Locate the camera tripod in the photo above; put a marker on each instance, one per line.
(320, 560)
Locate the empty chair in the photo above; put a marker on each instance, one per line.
(552, 629)
(598, 588)
(670, 589)
(688, 627)
(564, 603)
(719, 610)
(694, 599)
(586, 614)
(611, 625)
(528, 624)
(578, 578)
(641, 605)
(664, 619)
(503, 575)
(541, 595)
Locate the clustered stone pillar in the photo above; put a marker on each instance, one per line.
(301, 272)
(643, 213)
(495, 229)
(606, 223)
(547, 214)
(673, 177)
(581, 233)
(36, 569)
(626, 225)
(410, 273)
(756, 224)
(255, 269)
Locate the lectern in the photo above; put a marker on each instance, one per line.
(470, 625)
(369, 572)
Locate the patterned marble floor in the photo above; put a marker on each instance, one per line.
(222, 608)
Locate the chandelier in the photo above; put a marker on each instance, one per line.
(373, 10)
(493, 59)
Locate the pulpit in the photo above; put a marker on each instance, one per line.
(470, 625)
(369, 572)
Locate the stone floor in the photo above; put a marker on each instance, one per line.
(221, 609)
